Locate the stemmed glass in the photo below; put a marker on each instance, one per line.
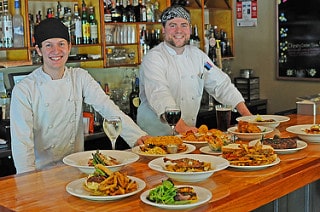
(172, 115)
(112, 126)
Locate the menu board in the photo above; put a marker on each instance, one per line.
(298, 39)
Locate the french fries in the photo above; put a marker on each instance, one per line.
(115, 183)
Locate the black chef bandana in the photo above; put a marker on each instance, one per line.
(50, 28)
(175, 11)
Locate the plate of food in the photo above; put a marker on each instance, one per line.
(113, 159)
(247, 131)
(306, 132)
(271, 121)
(282, 145)
(159, 146)
(102, 187)
(214, 138)
(189, 167)
(243, 156)
(176, 197)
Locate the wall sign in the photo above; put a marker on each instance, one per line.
(247, 12)
(298, 40)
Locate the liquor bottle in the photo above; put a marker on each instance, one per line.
(85, 24)
(212, 48)
(18, 28)
(143, 11)
(150, 11)
(93, 26)
(59, 11)
(7, 26)
(107, 10)
(115, 11)
(134, 99)
(131, 16)
(125, 11)
(31, 29)
(196, 38)
(1, 31)
(50, 13)
(38, 18)
(77, 26)
(136, 6)
(67, 19)
(157, 12)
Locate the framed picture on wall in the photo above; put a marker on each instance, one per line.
(298, 40)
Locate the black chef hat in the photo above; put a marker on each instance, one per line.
(50, 28)
(175, 11)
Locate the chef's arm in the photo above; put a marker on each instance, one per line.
(243, 109)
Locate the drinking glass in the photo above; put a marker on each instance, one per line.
(112, 126)
(172, 115)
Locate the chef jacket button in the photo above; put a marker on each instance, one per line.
(192, 77)
(71, 142)
(50, 126)
(47, 104)
(53, 146)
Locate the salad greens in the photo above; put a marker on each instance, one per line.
(166, 194)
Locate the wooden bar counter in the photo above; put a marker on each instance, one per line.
(232, 190)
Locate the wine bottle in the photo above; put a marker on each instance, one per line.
(7, 26)
(77, 33)
(93, 26)
(115, 11)
(196, 38)
(85, 24)
(143, 11)
(18, 27)
(134, 99)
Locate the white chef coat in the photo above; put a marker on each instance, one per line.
(170, 79)
(46, 117)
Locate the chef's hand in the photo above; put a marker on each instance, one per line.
(182, 127)
(141, 140)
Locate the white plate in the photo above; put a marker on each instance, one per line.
(256, 167)
(197, 144)
(299, 130)
(204, 195)
(80, 159)
(252, 119)
(207, 150)
(217, 164)
(75, 188)
(300, 145)
(137, 150)
(250, 136)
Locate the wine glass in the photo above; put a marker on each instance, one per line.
(172, 115)
(112, 126)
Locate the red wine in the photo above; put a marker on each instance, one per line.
(172, 116)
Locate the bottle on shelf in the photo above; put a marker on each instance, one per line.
(59, 11)
(136, 6)
(150, 11)
(212, 48)
(31, 29)
(1, 31)
(18, 26)
(124, 17)
(76, 32)
(6, 19)
(107, 10)
(196, 38)
(130, 15)
(67, 18)
(115, 11)
(143, 11)
(134, 99)
(157, 12)
(93, 26)
(38, 18)
(85, 24)
(50, 13)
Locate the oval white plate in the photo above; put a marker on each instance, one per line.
(75, 188)
(217, 164)
(207, 150)
(80, 159)
(250, 136)
(300, 145)
(252, 168)
(204, 195)
(137, 150)
(252, 119)
(299, 130)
